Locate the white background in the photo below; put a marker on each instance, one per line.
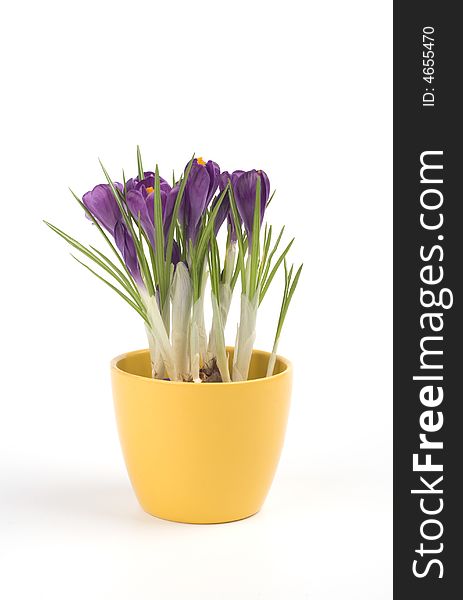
(301, 89)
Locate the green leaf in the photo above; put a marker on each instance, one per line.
(131, 289)
(293, 286)
(239, 235)
(141, 172)
(75, 244)
(162, 272)
(270, 199)
(287, 296)
(263, 262)
(270, 258)
(132, 304)
(214, 266)
(269, 279)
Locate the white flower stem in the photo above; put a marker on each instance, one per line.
(157, 364)
(245, 337)
(225, 297)
(181, 315)
(197, 339)
(272, 358)
(218, 336)
(161, 337)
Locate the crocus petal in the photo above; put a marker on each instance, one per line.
(103, 206)
(175, 253)
(146, 183)
(224, 178)
(126, 247)
(235, 175)
(165, 187)
(245, 199)
(168, 203)
(213, 170)
(194, 200)
(148, 179)
(150, 209)
(232, 228)
(143, 207)
(265, 184)
(130, 185)
(245, 195)
(224, 211)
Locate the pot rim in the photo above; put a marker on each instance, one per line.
(288, 367)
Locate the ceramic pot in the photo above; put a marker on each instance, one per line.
(201, 453)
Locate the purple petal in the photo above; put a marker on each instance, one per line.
(222, 214)
(245, 195)
(164, 207)
(225, 177)
(143, 206)
(103, 206)
(130, 185)
(265, 185)
(126, 247)
(195, 198)
(213, 170)
(165, 187)
(235, 175)
(168, 203)
(146, 185)
(175, 253)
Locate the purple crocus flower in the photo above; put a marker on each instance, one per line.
(225, 177)
(140, 200)
(200, 187)
(126, 247)
(245, 195)
(224, 209)
(175, 253)
(147, 182)
(103, 206)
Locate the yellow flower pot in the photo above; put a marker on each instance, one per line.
(201, 453)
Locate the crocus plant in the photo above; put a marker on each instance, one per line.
(164, 248)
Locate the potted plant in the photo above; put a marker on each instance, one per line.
(201, 424)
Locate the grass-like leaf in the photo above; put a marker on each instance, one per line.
(270, 199)
(131, 289)
(290, 287)
(141, 172)
(239, 234)
(162, 271)
(214, 266)
(88, 253)
(268, 264)
(113, 287)
(268, 281)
